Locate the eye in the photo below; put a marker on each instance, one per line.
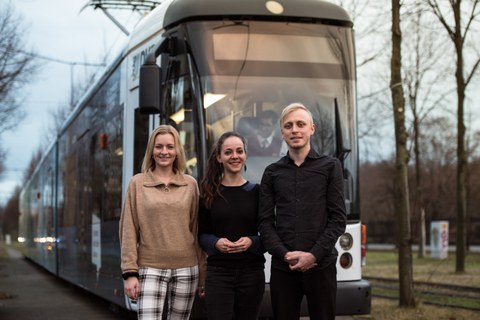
(287, 126)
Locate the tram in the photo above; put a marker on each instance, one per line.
(205, 67)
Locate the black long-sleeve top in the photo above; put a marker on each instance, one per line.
(302, 208)
(232, 216)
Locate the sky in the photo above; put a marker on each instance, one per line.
(59, 30)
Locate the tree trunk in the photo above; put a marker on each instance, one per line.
(422, 235)
(402, 208)
(461, 152)
(419, 207)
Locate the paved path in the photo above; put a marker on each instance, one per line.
(28, 292)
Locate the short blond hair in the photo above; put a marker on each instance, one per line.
(180, 162)
(293, 107)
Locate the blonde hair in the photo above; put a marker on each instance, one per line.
(180, 162)
(293, 107)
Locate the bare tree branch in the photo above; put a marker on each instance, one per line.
(16, 69)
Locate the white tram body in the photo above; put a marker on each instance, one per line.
(206, 67)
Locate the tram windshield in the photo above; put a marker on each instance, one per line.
(251, 70)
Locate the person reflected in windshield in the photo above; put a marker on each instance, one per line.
(265, 142)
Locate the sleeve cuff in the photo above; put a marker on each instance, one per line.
(127, 275)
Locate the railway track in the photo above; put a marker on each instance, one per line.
(446, 295)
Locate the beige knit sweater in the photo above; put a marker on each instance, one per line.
(159, 229)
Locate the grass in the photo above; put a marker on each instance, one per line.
(384, 264)
(383, 309)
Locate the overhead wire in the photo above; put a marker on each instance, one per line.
(43, 57)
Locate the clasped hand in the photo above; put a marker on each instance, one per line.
(226, 246)
(300, 260)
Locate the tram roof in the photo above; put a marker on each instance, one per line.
(181, 10)
(172, 12)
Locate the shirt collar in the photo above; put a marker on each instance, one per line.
(269, 138)
(312, 154)
(151, 181)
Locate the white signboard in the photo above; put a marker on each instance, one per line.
(439, 239)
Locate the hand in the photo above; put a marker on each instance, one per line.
(201, 292)
(241, 245)
(131, 287)
(226, 246)
(223, 245)
(300, 260)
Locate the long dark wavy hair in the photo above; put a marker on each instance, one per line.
(210, 185)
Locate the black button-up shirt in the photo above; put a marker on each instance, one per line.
(302, 208)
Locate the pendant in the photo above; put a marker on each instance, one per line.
(166, 189)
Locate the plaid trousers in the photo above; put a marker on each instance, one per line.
(177, 286)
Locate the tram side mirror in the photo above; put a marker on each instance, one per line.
(149, 89)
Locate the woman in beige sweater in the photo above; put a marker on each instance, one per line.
(158, 231)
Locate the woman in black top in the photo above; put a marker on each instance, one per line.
(235, 280)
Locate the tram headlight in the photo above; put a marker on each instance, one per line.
(346, 260)
(346, 241)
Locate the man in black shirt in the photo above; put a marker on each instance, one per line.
(301, 216)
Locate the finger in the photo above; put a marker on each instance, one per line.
(228, 242)
(292, 256)
(293, 267)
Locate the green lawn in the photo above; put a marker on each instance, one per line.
(384, 264)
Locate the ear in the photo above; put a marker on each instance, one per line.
(312, 129)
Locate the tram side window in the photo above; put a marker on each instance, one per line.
(96, 173)
(113, 155)
(61, 180)
(106, 164)
(35, 207)
(77, 192)
(49, 197)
